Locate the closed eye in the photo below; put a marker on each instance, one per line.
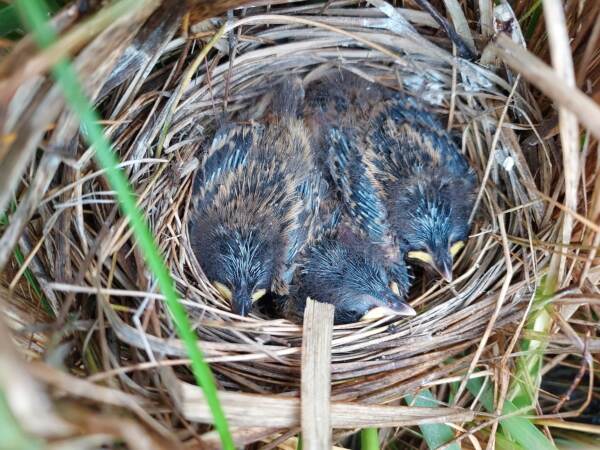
(456, 247)
(223, 290)
(421, 256)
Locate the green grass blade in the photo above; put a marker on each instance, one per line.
(436, 434)
(10, 24)
(369, 439)
(33, 283)
(520, 429)
(522, 394)
(533, 13)
(34, 15)
(523, 391)
(28, 274)
(535, 6)
(11, 435)
(503, 443)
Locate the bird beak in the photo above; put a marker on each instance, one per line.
(404, 309)
(397, 303)
(394, 306)
(242, 302)
(379, 312)
(443, 266)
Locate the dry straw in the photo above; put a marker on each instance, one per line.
(162, 90)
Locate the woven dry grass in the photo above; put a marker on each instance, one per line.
(162, 91)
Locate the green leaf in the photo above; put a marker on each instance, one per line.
(10, 24)
(436, 434)
(520, 429)
(503, 443)
(35, 14)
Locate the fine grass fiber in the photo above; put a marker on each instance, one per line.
(504, 356)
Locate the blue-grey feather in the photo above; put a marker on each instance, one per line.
(416, 184)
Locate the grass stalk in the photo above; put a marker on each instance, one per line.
(527, 378)
(369, 439)
(33, 13)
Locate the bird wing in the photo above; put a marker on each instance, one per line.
(411, 138)
(359, 189)
(298, 232)
(229, 151)
(302, 221)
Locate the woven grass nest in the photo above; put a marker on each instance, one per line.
(162, 94)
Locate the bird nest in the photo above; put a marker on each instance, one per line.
(163, 93)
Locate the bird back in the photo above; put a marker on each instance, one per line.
(385, 150)
(261, 178)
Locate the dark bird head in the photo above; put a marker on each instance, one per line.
(434, 219)
(240, 265)
(353, 281)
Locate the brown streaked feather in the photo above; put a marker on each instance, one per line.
(260, 178)
(398, 171)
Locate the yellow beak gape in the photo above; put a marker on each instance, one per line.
(456, 247)
(421, 256)
(227, 295)
(258, 294)
(223, 290)
(426, 257)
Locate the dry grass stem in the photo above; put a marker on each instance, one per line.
(315, 393)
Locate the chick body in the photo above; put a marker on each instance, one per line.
(400, 175)
(256, 201)
(343, 268)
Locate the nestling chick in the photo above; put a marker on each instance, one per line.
(345, 270)
(400, 175)
(256, 199)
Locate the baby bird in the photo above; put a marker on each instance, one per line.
(400, 175)
(344, 269)
(256, 201)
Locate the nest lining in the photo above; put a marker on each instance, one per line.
(374, 363)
